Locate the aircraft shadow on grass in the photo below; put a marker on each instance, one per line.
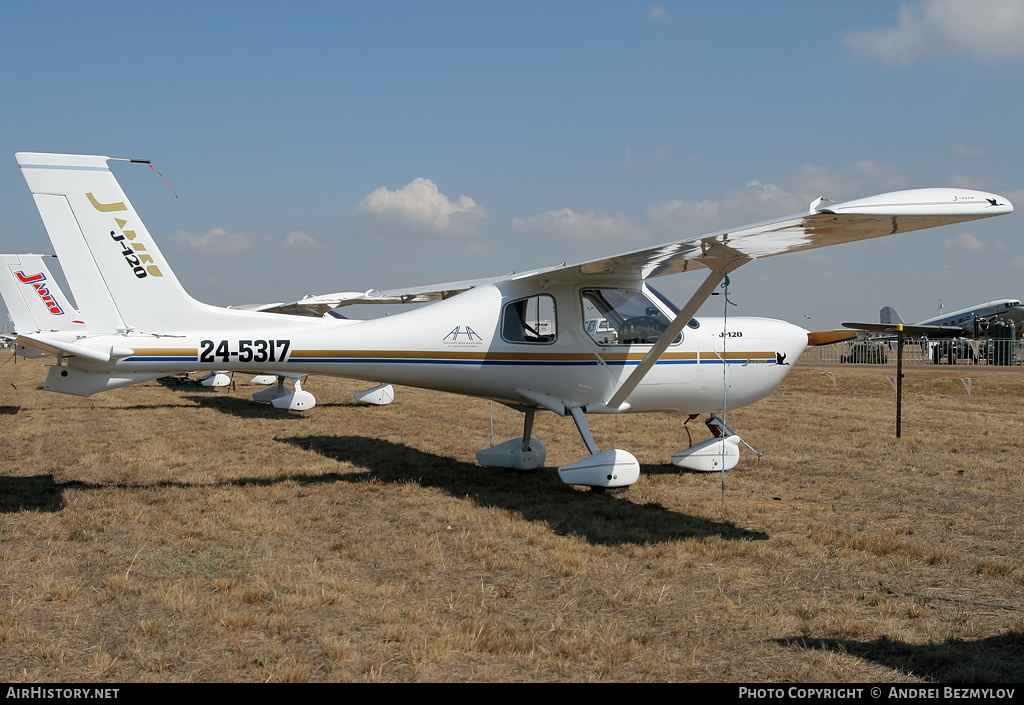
(242, 408)
(34, 493)
(600, 519)
(994, 659)
(249, 409)
(536, 496)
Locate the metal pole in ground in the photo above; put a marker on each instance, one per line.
(899, 380)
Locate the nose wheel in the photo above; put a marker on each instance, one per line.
(715, 454)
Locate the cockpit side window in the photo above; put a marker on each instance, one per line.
(530, 320)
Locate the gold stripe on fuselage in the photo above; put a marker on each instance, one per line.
(165, 352)
(442, 355)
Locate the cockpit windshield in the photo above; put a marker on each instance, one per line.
(622, 317)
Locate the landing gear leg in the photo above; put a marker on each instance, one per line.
(602, 469)
(281, 398)
(715, 454)
(524, 453)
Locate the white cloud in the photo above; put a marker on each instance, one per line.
(981, 183)
(657, 12)
(422, 205)
(756, 200)
(217, 240)
(814, 180)
(759, 200)
(966, 242)
(681, 210)
(1014, 195)
(965, 150)
(297, 237)
(584, 226)
(988, 30)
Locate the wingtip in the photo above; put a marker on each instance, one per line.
(925, 202)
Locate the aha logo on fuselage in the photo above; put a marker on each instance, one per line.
(140, 261)
(470, 334)
(36, 280)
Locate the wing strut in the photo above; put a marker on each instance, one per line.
(673, 330)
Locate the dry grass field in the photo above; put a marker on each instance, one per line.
(173, 533)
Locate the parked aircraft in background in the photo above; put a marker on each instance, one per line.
(37, 305)
(483, 338)
(972, 322)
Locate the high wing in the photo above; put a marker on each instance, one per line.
(319, 305)
(826, 223)
(313, 306)
(421, 294)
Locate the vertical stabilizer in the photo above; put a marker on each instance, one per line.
(35, 303)
(888, 315)
(116, 272)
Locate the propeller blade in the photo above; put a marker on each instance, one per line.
(824, 337)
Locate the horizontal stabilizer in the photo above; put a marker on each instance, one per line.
(61, 348)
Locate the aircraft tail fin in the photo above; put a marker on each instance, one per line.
(889, 315)
(35, 302)
(116, 272)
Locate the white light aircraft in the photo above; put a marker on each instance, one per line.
(517, 339)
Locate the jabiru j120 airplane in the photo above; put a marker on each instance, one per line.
(518, 339)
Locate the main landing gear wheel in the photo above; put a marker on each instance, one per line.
(607, 469)
(523, 454)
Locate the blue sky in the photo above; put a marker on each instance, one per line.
(318, 147)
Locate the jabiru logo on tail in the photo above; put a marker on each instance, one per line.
(36, 280)
(136, 256)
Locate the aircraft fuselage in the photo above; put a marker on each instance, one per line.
(468, 345)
